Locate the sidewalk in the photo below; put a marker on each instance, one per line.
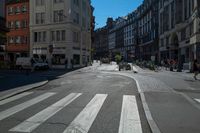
(15, 91)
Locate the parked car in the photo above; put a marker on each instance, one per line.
(125, 66)
(31, 63)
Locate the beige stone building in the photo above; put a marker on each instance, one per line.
(60, 32)
(179, 31)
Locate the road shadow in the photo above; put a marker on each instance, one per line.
(190, 80)
(10, 79)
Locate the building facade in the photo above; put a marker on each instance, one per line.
(17, 19)
(3, 30)
(60, 32)
(101, 43)
(101, 40)
(116, 38)
(179, 31)
(147, 17)
(130, 37)
(92, 32)
(122, 37)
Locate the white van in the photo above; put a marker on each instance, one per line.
(31, 63)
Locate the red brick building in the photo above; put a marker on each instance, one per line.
(17, 19)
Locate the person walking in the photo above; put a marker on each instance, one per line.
(195, 69)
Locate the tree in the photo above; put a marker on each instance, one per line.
(118, 58)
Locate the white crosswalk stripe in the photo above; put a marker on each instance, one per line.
(20, 107)
(15, 98)
(33, 122)
(84, 120)
(130, 119)
(198, 100)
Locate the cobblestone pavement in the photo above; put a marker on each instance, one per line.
(173, 99)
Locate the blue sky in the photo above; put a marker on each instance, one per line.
(112, 8)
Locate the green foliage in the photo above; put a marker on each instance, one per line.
(118, 58)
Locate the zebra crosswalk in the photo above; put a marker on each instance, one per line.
(20, 107)
(129, 117)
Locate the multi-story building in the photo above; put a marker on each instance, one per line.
(101, 43)
(179, 30)
(147, 17)
(60, 31)
(92, 32)
(130, 36)
(116, 38)
(101, 40)
(3, 30)
(122, 37)
(17, 19)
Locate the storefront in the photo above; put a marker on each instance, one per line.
(40, 53)
(59, 59)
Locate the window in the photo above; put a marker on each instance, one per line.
(24, 39)
(40, 36)
(17, 24)
(75, 37)
(76, 2)
(58, 1)
(11, 25)
(17, 39)
(10, 10)
(24, 23)
(44, 36)
(183, 34)
(39, 2)
(58, 16)
(76, 18)
(63, 35)
(40, 18)
(17, 10)
(35, 37)
(58, 35)
(11, 40)
(24, 8)
(52, 35)
(76, 59)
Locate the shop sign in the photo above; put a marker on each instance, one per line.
(59, 51)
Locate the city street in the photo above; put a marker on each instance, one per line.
(90, 66)
(100, 99)
(78, 102)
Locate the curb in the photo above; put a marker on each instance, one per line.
(151, 122)
(24, 89)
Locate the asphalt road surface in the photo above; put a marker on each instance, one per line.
(82, 102)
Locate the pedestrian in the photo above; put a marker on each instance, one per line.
(162, 63)
(166, 64)
(195, 69)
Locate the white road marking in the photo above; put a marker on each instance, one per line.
(20, 107)
(130, 119)
(32, 123)
(15, 98)
(198, 100)
(84, 120)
